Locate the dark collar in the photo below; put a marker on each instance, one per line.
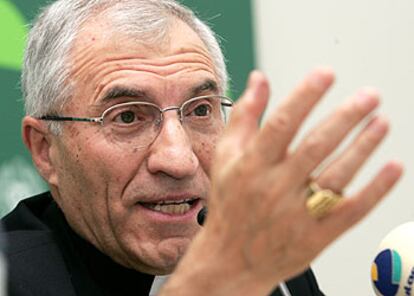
(92, 272)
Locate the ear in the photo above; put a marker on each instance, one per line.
(38, 139)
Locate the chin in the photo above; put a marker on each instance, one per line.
(163, 258)
(158, 266)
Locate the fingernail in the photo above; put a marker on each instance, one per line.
(367, 98)
(321, 78)
(395, 168)
(257, 81)
(379, 126)
(254, 77)
(251, 78)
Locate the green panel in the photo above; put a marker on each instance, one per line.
(30, 8)
(18, 178)
(232, 21)
(11, 113)
(12, 36)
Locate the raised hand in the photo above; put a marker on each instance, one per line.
(259, 229)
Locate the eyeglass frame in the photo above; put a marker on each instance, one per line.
(229, 103)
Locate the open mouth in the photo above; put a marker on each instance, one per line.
(176, 207)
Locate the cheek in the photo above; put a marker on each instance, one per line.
(80, 176)
(91, 165)
(92, 179)
(111, 160)
(205, 150)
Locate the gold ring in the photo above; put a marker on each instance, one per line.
(320, 201)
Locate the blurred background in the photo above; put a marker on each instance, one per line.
(366, 43)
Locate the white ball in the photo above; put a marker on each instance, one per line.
(392, 271)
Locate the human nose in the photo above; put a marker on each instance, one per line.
(172, 152)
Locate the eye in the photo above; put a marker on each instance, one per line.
(131, 114)
(199, 108)
(127, 117)
(202, 110)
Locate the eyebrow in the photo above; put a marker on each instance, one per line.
(207, 85)
(123, 91)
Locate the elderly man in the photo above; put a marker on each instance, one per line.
(125, 105)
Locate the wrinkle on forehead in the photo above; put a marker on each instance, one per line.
(97, 43)
(163, 66)
(98, 54)
(85, 55)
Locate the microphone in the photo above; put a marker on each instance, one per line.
(392, 271)
(201, 216)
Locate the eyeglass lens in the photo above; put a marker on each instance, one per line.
(138, 123)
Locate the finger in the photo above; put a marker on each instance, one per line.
(340, 173)
(323, 139)
(246, 113)
(353, 209)
(284, 122)
(248, 109)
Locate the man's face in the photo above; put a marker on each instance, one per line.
(106, 186)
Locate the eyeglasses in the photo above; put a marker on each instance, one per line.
(140, 122)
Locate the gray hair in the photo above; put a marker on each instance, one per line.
(45, 76)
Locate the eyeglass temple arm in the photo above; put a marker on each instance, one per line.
(65, 118)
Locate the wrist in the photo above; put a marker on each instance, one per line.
(208, 269)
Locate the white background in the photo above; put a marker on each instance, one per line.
(367, 42)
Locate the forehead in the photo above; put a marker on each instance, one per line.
(103, 58)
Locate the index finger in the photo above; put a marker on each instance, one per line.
(284, 122)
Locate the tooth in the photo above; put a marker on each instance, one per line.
(157, 207)
(185, 208)
(173, 208)
(168, 208)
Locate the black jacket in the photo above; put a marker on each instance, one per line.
(45, 257)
